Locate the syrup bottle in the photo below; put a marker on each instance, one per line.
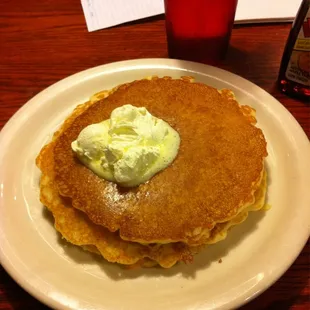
(294, 75)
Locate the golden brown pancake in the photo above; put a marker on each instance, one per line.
(214, 177)
(76, 228)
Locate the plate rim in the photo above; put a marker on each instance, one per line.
(151, 63)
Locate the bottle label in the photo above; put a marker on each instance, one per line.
(298, 69)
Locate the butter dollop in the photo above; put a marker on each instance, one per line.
(129, 148)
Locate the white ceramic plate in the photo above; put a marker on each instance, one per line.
(255, 254)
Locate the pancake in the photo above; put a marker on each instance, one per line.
(214, 177)
(76, 228)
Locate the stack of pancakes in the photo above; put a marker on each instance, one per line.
(217, 177)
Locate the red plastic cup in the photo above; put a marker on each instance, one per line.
(199, 30)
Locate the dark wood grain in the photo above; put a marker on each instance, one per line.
(44, 41)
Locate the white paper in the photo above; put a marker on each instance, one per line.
(252, 11)
(101, 14)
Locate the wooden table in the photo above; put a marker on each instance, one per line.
(42, 42)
